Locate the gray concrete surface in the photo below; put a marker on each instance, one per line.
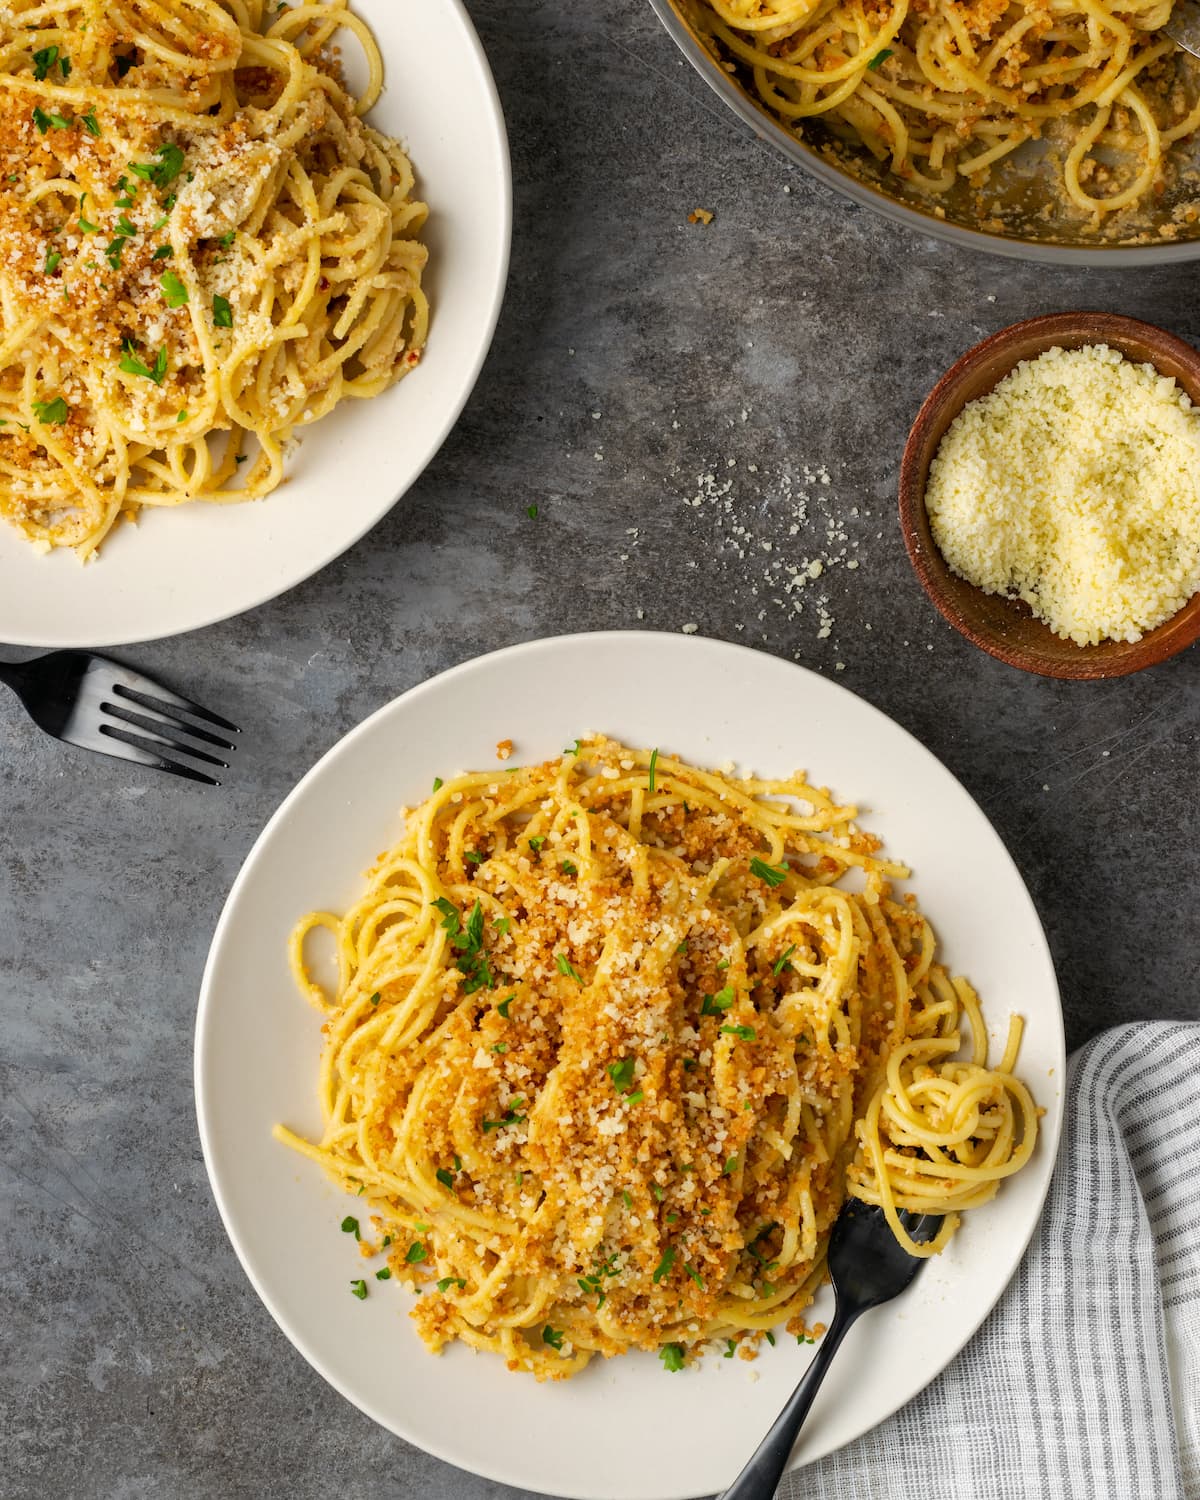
(636, 352)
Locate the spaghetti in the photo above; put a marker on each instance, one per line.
(943, 90)
(607, 1034)
(202, 248)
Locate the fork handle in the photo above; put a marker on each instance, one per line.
(13, 674)
(760, 1478)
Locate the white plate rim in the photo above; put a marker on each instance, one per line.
(103, 637)
(1051, 1125)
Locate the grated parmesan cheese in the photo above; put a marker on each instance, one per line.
(1075, 486)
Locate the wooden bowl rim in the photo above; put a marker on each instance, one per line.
(1027, 340)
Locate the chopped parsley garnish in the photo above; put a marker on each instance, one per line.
(635, 1098)
(134, 366)
(743, 1033)
(416, 1254)
(447, 1282)
(721, 1001)
(504, 1004)
(880, 58)
(444, 1177)
(158, 223)
(383, 1274)
(730, 1167)
(695, 1275)
(657, 1191)
(182, 417)
(664, 1266)
(553, 1337)
(474, 857)
(568, 867)
(227, 239)
(222, 312)
(350, 1226)
(49, 121)
(770, 1338)
(90, 123)
(52, 413)
(84, 224)
(572, 749)
(803, 1338)
(773, 875)
(472, 961)
(653, 770)
(781, 962)
(501, 925)
(438, 783)
(671, 1356)
(683, 948)
(164, 252)
(52, 261)
(43, 61)
(532, 512)
(358, 1289)
(621, 1073)
(175, 293)
(730, 1346)
(376, 996)
(536, 843)
(510, 1117)
(163, 172)
(501, 1048)
(567, 968)
(626, 1199)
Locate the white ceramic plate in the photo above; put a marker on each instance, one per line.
(625, 1429)
(183, 568)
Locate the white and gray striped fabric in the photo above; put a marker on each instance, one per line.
(1084, 1384)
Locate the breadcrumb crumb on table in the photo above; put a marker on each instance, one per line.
(700, 216)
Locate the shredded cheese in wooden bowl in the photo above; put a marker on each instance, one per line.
(1074, 485)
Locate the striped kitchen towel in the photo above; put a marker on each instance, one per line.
(1084, 1384)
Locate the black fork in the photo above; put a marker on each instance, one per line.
(90, 701)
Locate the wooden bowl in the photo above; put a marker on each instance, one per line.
(1007, 628)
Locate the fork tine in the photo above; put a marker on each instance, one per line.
(166, 730)
(148, 755)
(168, 704)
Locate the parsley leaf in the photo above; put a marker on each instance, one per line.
(721, 1001)
(175, 293)
(447, 1282)
(568, 867)
(438, 783)
(43, 61)
(672, 1357)
(445, 1178)
(90, 123)
(743, 1033)
(222, 312)
(52, 261)
(572, 749)
(134, 366)
(358, 1289)
(664, 1266)
(773, 875)
(504, 1004)
(621, 1073)
(536, 843)
(385, 1274)
(781, 962)
(653, 770)
(52, 413)
(553, 1337)
(567, 968)
(879, 59)
(416, 1254)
